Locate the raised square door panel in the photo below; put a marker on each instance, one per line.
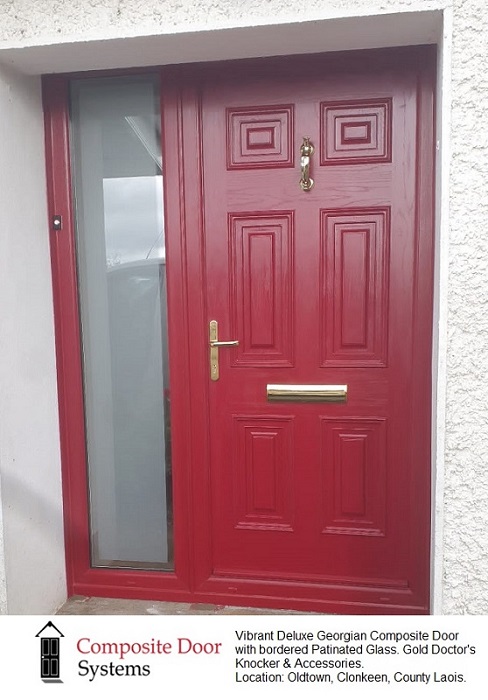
(355, 132)
(260, 137)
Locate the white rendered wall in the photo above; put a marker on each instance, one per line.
(29, 436)
(466, 452)
(55, 36)
(31, 22)
(3, 578)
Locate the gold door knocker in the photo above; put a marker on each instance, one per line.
(306, 152)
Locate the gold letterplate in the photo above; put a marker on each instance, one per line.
(215, 344)
(327, 393)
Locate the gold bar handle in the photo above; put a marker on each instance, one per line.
(306, 393)
(222, 343)
(306, 152)
(215, 344)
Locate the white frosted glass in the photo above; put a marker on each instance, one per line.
(122, 293)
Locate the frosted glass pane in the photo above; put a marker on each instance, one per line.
(122, 292)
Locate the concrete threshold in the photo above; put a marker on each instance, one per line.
(80, 605)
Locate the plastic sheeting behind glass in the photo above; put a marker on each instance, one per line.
(122, 293)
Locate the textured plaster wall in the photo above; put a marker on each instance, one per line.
(3, 578)
(48, 20)
(466, 475)
(462, 464)
(29, 438)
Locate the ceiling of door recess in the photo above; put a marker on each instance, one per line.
(64, 53)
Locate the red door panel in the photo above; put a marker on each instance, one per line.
(318, 288)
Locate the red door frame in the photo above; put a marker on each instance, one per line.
(181, 113)
(81, 577)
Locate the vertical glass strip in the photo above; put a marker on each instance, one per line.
(117, 171)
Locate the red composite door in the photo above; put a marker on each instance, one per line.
(322, 502)
(301, 456)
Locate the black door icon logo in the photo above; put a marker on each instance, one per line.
(50, 638)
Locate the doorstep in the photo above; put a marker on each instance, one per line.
(81, 605)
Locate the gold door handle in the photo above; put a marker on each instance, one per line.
(215, 344)
(220, 343)
(306, 152)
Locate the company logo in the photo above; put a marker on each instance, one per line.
(50, 638)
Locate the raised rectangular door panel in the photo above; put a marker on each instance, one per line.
(353, 461)
(355, 267)
(261, 288)
(263, 473)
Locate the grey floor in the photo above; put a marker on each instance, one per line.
(79, 605)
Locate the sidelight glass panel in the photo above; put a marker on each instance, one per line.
(117, 172)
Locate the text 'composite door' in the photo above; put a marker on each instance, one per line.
(321, 501)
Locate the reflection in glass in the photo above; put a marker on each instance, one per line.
(122, 287)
